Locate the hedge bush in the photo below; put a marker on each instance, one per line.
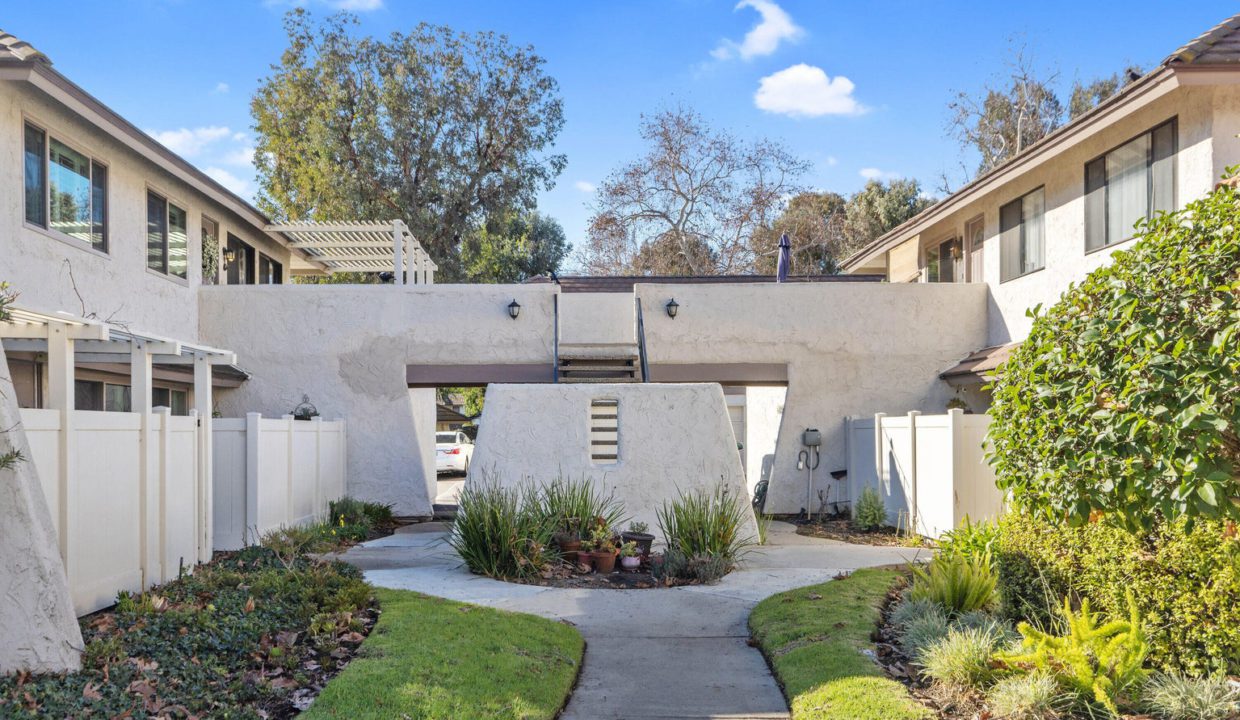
(1185, 579)
(1125, 397)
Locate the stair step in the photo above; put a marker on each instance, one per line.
(596, 367)
(583, 380)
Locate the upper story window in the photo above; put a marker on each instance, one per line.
(1022, 235)
(945, 262)
(65, 190)
(270, 272)
(167, 241)
(1128, 184)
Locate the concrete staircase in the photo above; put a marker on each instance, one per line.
(598, 339)
(615, 367)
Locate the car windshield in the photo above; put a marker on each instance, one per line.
(448, 438)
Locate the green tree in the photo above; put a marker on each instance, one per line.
(435, 127)
(1087, 96)
(1124, 399)
(878, 208)
(814, 222)
(512, 248)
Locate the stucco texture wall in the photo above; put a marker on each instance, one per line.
(851, 349)
(673, 438)
(38, 628)
(116, 285)
(347, 347)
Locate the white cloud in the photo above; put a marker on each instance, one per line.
(238, 185)
(240, 156)
(190, 141)
(585, 186)
(221, 88)
(872, 173)
(774, 28)
(806, 91)
(356, 5)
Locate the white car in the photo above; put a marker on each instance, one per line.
(453, 451)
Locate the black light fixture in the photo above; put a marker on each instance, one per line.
(672, 307)
(230, 255)
(514, 309)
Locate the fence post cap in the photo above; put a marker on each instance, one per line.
(253, 415)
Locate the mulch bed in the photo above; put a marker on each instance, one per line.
(844, 531)
(571, 575)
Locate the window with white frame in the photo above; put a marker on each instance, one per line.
(167, 240)
(1129, 184)
(65, 190)
(1022, 235)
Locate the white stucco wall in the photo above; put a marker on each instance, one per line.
(850, 348)
(347, 347)
(673, 438)
(764, 411)
(115, 285)
(38, 628)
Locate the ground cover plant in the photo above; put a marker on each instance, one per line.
(252, 634)
(815, 639)
(435, 659)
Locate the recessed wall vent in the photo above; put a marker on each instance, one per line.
(604, 431)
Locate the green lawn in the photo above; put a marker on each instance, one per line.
(813, 637)
(429, 658)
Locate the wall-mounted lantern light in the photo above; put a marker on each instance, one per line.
(672, 307)
(230, 255)
(514, 309)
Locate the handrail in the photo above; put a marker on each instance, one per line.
(555, 339)
(641, 341)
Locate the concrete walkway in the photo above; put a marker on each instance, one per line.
(651, 654)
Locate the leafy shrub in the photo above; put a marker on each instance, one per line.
(707, 524)
(1176, 696)
(1029, 696)
(921, 632)
(961, 659)
(699, 568)
(970, 540)
(573, 506)
(1186, 583)
(870, 513)
(1101, 663)
(1125, 397)
(957, 583)
(501, 532)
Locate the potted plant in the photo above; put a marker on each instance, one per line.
(638, 533)
(569, 544)
(629, 559)
(602, 545)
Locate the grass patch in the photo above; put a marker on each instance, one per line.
(813, 637)
(430, 658)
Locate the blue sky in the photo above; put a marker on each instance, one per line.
(859, 89)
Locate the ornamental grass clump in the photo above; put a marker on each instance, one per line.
(960, 584)
(499, 532)
(702, 525)
(1031, 696)
(961, 659)
(1175, 696)
(571, 506)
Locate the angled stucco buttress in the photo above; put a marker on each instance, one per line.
(38, 627)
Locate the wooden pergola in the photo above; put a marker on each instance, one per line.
(363, 247)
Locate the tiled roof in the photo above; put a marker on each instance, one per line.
(14, 48)
(1220, 45)
(980, 364)
(625, 283)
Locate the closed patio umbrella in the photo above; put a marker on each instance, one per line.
(785, 259)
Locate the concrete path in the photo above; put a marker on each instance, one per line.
(651, 654)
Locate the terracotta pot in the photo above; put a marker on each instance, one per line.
(631, 563)
(604, 562)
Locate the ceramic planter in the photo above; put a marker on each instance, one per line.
(631, 563)
(642, 540)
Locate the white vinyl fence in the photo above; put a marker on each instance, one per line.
(128, 514)
(930, 470)
(273, 472)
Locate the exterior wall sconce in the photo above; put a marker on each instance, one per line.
(230, 255)
(672, 308)
(514, 309)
